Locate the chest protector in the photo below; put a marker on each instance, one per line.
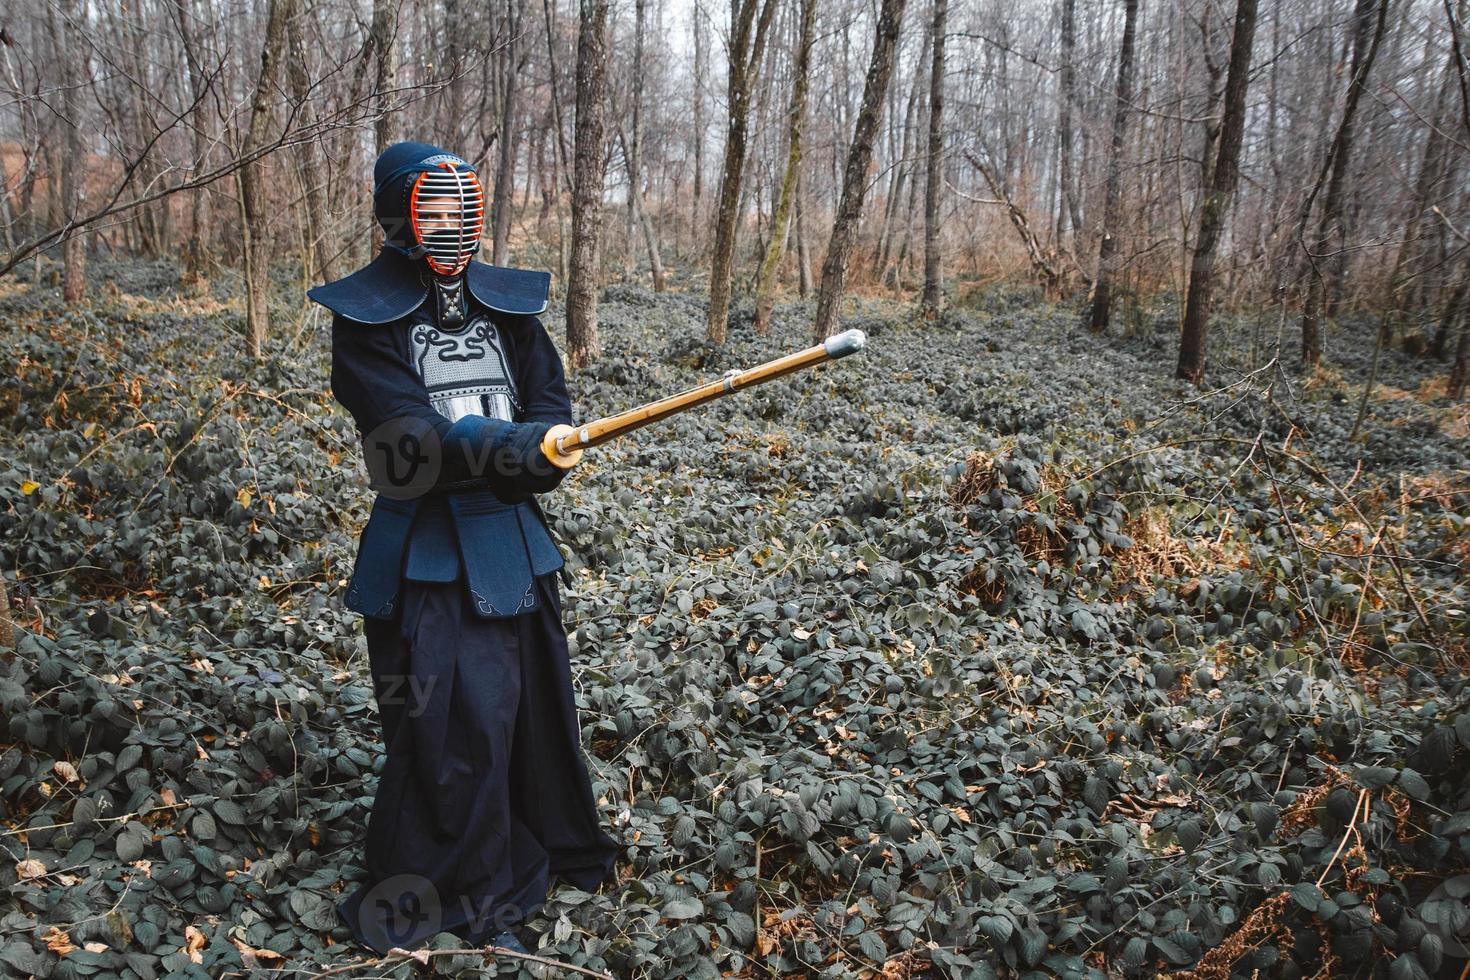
(465, 370)
(498, 547)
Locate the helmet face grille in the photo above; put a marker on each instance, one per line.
(447, 210)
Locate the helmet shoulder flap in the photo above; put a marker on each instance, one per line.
(519, 291)
(386, 289)
(391, 287)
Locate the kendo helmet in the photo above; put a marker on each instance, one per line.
(430, 205)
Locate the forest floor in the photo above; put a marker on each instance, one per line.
(993, 651)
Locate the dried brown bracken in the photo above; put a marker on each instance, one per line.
(1300, 815)
(1262, 924)
(977, 480)
(1155, 551)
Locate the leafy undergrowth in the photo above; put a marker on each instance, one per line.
(991, 652)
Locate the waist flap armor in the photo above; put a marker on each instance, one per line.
(500, 547)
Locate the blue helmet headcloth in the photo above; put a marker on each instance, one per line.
(394, 174)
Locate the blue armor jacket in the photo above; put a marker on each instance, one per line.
(451, 422)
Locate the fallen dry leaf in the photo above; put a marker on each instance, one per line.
(254, 957)
(58, 941)
(193, 943)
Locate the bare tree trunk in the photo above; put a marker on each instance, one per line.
(637, 217)
(1069, 203)
(146, 221)
(307, 160)
(1223, 175)
(855, 179)
(559, 158)
(1382, 335)
(933, 297)
(509, 137)
(1453, 307)
(700, 59)
(7, 214)
(1459, 304)
(897, 155)
(902, 167)
(634, 150)
(194, 249)
(1460, 371)
(253, 206)
(383, 31)
(583, 345)
(31, 139)
(379, 53)
(1431, 174)
(803, 243)
(745, 58)
(1366, 39)
(1095, 316)
(447, 117)
(901, 260)
(71, 41)
(764, 291)
(546, 188)
(650, 243)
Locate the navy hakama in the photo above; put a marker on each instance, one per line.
(484, 792)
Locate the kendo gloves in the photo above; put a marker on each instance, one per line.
(504, 455)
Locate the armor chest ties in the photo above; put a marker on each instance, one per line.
(449, 305)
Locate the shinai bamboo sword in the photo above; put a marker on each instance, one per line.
(563, 444)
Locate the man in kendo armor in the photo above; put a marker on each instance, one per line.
(452, 382)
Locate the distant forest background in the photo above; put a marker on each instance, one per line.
(1306, 155)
